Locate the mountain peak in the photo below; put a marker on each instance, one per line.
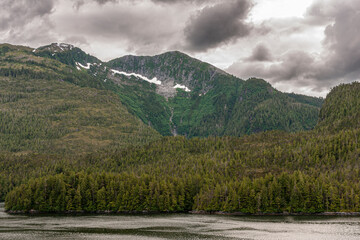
(66, 53)
(173, 69)
(55, 47)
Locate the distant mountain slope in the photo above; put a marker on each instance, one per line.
(66, 53)
(45, 109)
(215, 103)
(180, 95)
(172, 68)
(341, 109)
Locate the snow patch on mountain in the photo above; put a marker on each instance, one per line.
(59, 45)
(182, 87)
(85, 67)
(64, 46)
(154, 80)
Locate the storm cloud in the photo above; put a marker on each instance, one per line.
(342, 41)
(260, 54)
(14, 14)
(337, 62)
(217, 25)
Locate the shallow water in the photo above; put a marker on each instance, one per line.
(176, 226)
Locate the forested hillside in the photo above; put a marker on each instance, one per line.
(49, 107)
(341, 109)
(215, 103)
(271, 172)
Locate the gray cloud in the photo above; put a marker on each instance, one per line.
(339, 60)
(342, 42)
(290, 66)
(181, 1)
(260, 54)
(79, 3)
(217, 25)
(18, 13)
(136, 28)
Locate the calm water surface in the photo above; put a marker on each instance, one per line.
(176, 226)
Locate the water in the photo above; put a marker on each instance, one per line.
(176, 226)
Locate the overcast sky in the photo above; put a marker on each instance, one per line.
(303, 46)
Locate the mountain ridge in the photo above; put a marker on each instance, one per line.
(177, 94)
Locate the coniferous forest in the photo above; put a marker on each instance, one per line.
(66, 165)
(270, 172)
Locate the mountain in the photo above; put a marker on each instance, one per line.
(308, 172)
(48, 106)
(194, 98)
(66, 53)
(173, 69)
(172, 93)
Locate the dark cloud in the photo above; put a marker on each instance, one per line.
(292, 65)
(18, 13)
(217, 25)
(131, 25)
(339, 60)
(342, 42)
(260, 54)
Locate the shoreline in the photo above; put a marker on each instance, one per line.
(275, 214)
(194, 212)
(219, 213)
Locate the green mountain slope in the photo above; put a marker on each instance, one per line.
(47, 106)
(217, 103)
(272, 172)
(66, 53)
(207, 100)
(173, 68)
(341, 109)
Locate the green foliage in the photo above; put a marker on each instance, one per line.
(100, 192)
(219, 104)
(341, 108)
(66, 56)
(143, 102)
(238, 108)
(313, 101)
(47, 106)
(267, 172)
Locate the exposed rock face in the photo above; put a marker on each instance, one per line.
(172, 68)
(166, 88)
(56, 47)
